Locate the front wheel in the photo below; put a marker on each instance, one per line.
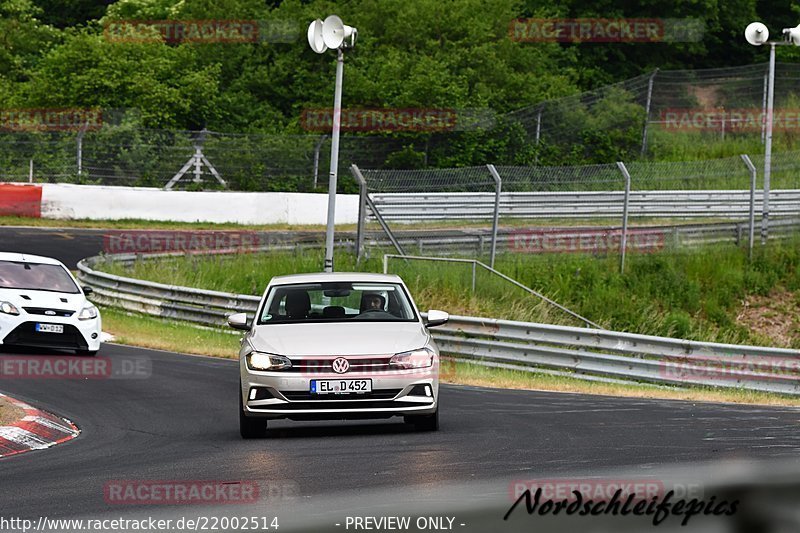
(250, 428)
(424, 422)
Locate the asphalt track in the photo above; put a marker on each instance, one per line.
(180, 423)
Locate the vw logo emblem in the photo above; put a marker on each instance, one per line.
(49, 312)
(340, 365)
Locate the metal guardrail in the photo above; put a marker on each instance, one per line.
(412, 207)
(579, 351)
(169, 301)
(643, 238)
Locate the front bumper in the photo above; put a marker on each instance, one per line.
(287, 395)
(19, 330)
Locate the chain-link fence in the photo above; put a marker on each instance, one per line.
(672, 115)
(482, 211)
(155, 158)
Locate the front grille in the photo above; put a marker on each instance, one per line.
(383, 394)
(360, 365)
(26, 335)
(48, 311)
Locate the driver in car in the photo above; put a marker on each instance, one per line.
(371, 301)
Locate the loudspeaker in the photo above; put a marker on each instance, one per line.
(792, 35)
(756, 33)
(315, 37)
(336, 34)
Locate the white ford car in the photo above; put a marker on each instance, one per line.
(337, 346)
(41, 305)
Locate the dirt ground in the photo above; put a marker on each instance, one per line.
(9, 413)
(775, 317)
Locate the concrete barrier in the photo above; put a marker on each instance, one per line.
(68, 201)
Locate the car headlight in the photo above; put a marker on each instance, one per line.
(422, 358)
(267, 361)
(87, 313)
(8, 308)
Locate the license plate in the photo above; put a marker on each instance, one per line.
(340, 386)
(49, 328)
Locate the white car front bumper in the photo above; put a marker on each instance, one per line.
(20, 330)
(287, 394)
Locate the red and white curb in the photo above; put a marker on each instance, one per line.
(37, 430)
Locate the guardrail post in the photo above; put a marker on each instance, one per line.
(498, 184)
(362, 210)
(752, 220)
(474, 268)
(624, 241)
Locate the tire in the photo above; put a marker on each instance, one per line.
(86, 353)
(425, 422)
(250, 428)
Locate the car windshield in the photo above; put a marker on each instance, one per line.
(337, 302)
(36, 276)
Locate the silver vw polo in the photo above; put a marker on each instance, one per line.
(337, 346)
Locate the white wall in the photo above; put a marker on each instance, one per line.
(66, 201)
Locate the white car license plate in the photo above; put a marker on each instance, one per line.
(49, 328)
(340, 386)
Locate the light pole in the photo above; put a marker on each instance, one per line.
(757, 34)
(332, 33)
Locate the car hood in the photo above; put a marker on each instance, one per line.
(362, 338)
(51, 300)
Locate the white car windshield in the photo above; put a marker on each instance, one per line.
(36, 276)
(337, 302)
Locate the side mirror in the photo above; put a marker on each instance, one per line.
(436, 318)
(87, 290)
(239, 321)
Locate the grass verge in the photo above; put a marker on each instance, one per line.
(151, 332)
(695, 294)
(156, 224)
(9, 413)
(456, 224)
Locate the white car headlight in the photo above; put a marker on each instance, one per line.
(8, 308)
(267, 361)
(87, 313)
(421, 358)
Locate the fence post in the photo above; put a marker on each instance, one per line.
(764, 111)
(79, 155)
(752, 221)
(498, 184)
(362, 210)
(317, 149)
(30, 172)
(647, 110)
(539, 124)
(624, 241)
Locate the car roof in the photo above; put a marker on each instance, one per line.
(28, 258)
(318, 277)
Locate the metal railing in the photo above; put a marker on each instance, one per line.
(475, 263)
(580, 352)
(415, 207)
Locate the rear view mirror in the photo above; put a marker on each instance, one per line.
(337, 293)
(436, 318)
(239, 321)
(87, 290)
